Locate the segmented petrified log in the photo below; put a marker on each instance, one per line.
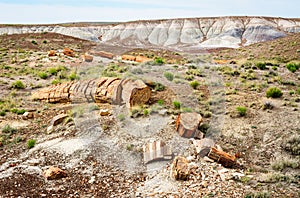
(222, 157)
(68, 52)
(187, 124)
(156, 151)
(103, 90)
(128, 57)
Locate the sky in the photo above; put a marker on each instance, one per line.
(61, 11)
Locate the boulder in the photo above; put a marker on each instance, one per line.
(68, 52)
(58, 119)
(54, 173)
(180, 168)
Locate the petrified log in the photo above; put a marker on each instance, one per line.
(104, 90)
(128, 57)
(87, 58)
(203, 146)
(103, 54)
(52, 53)
(180, 168)
(222, 157)
(156, 151)
(187, 124)
(141, 59)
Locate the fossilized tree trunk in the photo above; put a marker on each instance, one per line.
(222, 157)
(187, 124)
(103, 90)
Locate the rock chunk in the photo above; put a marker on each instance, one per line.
(180, 168)
(87, 58)
(156, 151)
(68, 52)
(54, 173)
(52, 53)
(203, 146)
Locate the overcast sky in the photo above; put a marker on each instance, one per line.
(60, 11)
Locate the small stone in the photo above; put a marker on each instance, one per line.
(104, 112)
(28, 115)
(54, 173)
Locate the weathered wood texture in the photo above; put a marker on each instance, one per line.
(156, 151)
(187, 124)
(222, 157)
(180, 168)
(103, 90)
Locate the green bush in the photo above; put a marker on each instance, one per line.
(2, 113)
(73, 76)
(169, 76)
(31, 143)
(34, 42)
(146, 112)
(159, 87)
(241, 110)
(43, 75)
(176, 104)
(194, 84)
(274, 92)
(161, 102)
(293, 67)
(159, 60)
(52, 70)
(55, 81)
(18, 85)
(261, 65)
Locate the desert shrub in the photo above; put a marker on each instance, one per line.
(176, 104)
(159, 87)
(194, 84)
(31, 143)
(261, 65)
(169, 76)
(298, 91)
(161, 102)
(159, 61)
(284, 162)
(45, 41)
(121, 117)
(18, 111)
(43, 75)
(52, 70)
(146, 112)
(73, 76)
(2, 113)
(292, 144)
(241, 110)
(293, 67)
(274, 92)
(8, 129)
(268, 105)
(55, 81)
(18, 85)
(34, 42)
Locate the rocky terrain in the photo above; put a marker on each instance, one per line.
(174, 33)
(218, 123)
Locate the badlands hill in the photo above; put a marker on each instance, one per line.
(174, 33)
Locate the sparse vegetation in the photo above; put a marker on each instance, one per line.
(241, 110)
(43, 75)
(292, 144)
(194, 84)
(18, 85)
(274, 92)
(284, 162)
(169, 76)
(159, 61)
(31, 143)
(176, 104)
(293, 67)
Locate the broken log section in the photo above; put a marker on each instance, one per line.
(104, 90)
(222, 157)
(187, 124)
(157, 151)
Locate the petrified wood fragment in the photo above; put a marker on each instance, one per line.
(187, 124)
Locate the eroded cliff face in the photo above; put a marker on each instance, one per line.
(193, 32)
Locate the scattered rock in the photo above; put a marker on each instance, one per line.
(203, 146)
(180, 168)
(54, 173)
(104, 112)
(222, 157)
(28, 115)
(87, 58)
(68, 52)
(52, 53)
(58, 119)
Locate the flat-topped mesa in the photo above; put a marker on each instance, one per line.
(103, 90)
